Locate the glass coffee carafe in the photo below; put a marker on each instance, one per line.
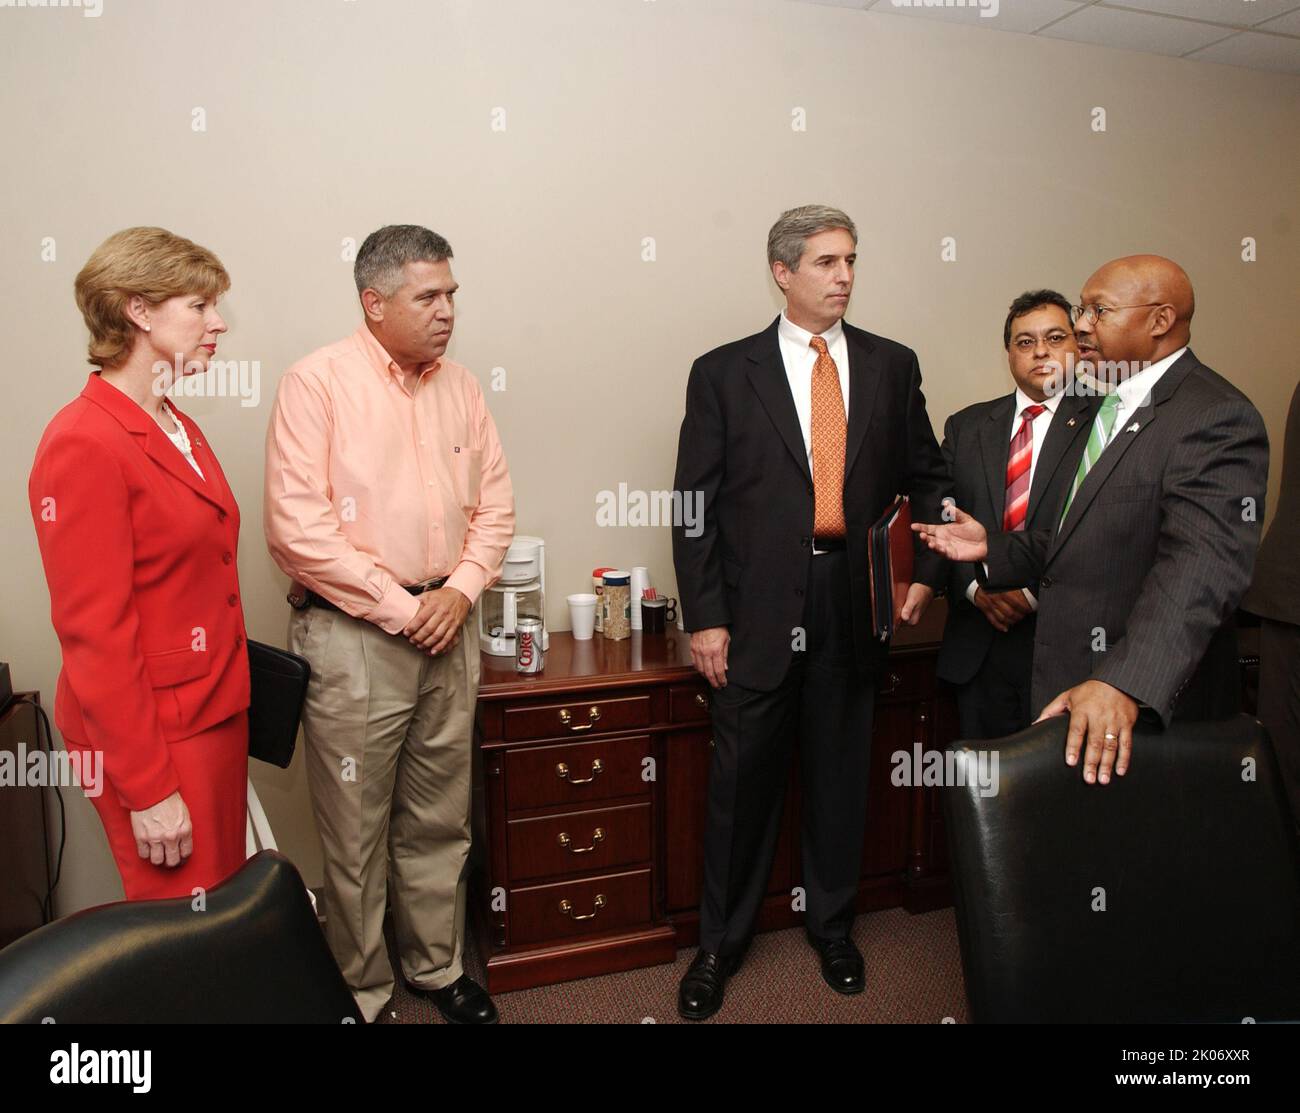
(502, 609)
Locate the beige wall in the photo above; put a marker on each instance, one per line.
(624, 119)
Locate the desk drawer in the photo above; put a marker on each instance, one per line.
(579, 716)
(578, 841)
(546, 912)
(688, 703)
(576, 772)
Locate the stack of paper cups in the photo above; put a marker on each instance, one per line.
(640, 581)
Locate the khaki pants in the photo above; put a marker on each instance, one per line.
(388, 732)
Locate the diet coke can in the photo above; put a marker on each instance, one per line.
(528, 645)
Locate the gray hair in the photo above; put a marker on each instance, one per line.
(789, 235)
(385, 252)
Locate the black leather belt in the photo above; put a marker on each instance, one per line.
(311, 599)
(828, 544)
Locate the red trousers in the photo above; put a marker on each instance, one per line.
(213, 771)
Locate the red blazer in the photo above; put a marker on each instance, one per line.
(139, 554)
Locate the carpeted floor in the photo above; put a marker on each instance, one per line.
(913, 977)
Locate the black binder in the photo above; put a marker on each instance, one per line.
(890, 565)
(279, 689)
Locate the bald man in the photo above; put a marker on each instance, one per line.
(1153, 547)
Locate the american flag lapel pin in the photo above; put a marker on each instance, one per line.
(1133, 428)
(1070, 423)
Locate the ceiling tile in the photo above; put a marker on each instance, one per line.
(1287, 24)
(1261, 52)
(1134, 31)
(1009, 15)
(1113, 23)
(1240, 13)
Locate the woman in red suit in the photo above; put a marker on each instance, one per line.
(138, 532)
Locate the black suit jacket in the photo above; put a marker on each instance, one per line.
(742, 453)
(1139, 584)
(1275, 591)
(976, 445)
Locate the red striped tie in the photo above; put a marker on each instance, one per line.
(1018, 465)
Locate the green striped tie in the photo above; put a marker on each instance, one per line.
(1097, 441)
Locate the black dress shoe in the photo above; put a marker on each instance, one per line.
(842, 966)
(700, 994)
(462, 1002)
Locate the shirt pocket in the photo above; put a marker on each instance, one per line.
(467, 471)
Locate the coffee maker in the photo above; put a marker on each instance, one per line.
(520, 593)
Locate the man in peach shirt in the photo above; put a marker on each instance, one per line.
(389, 504)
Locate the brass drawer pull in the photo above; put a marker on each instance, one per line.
(597, 837)
(701, 700)
(566, 720)
(562, 771)
(892, 683)
(566, 909)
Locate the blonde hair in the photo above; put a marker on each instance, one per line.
(151, 263)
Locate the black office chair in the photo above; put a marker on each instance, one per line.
(1197, 865)
(256, 954)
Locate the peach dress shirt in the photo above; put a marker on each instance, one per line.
(370, 487)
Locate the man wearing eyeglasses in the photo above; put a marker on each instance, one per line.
(1011, 460)
(1140, 577)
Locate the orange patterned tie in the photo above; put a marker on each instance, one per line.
(829, 432)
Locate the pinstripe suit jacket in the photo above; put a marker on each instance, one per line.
(1139, 585)
(976, 445)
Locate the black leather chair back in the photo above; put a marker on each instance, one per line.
(254, 955)
(1192, 855)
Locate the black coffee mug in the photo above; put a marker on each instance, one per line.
(656, 614)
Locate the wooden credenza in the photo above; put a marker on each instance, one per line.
(589, 806)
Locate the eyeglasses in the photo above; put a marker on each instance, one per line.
(1054, 340)
(1093, 312)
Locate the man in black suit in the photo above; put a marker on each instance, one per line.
(1274, 595)
(1011, 460)
(1140, 579)
(796, 440)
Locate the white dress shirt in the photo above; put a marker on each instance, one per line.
(1136, 389)
(799, 358)
(1039, 430)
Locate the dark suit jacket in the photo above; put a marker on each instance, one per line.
(976, 445)
(742, 450)
(1155, 554)
(1275, 591)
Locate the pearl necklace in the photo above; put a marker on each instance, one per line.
(179, 435)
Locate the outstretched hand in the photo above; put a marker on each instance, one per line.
(962, 539)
